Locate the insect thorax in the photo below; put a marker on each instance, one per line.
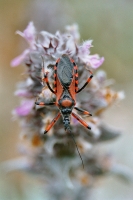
(66, 100)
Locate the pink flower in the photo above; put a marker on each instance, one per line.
(85, 48)
(95, 61)
(22, 93)
(29, 34)
(25, 108)
(20, 59)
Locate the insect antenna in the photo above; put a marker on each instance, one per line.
(76, 147)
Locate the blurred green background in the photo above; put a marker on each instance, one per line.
(110, 25)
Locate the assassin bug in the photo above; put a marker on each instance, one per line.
(65, 89)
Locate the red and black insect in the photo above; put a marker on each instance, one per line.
(65, 89)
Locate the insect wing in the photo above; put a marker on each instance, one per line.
(65, 71)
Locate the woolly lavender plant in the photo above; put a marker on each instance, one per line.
(54, 156)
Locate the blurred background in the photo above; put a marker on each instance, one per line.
(110, 24)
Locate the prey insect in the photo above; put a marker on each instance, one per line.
(65, 89)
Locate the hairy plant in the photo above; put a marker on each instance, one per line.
(54, 157)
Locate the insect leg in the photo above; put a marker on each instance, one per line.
(52, 123)
(88, 80)
(83, 111)
(81, 120)
(47, 82)
(45, 104)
